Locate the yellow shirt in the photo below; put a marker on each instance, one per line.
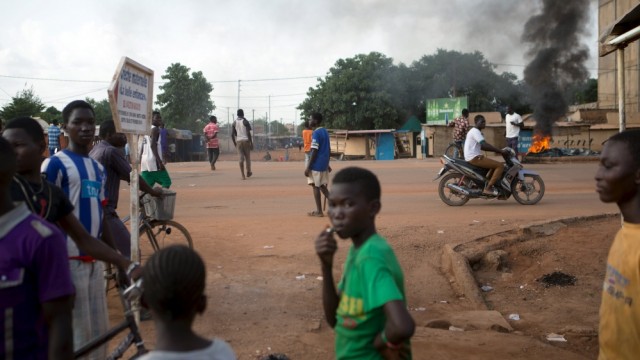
(619, 333)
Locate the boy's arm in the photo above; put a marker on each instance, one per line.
(90, 245)
(399, 326)
(57, 314)
(155, 136)
(326, 248)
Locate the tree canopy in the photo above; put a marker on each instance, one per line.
(370, 92)
(356, 94)
(51, 113)
(184, 98)
(25, 103)
(102, 110)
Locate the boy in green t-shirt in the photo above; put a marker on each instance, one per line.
(368, 309)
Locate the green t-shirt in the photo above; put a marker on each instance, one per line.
(372, 277)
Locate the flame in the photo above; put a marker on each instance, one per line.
(540, 143)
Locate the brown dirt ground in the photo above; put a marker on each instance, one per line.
(256, 241)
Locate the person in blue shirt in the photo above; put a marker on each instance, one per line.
(318, 167)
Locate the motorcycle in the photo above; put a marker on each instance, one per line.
(462, 181)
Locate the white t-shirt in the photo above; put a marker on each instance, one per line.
(148, 160)
(218, 350)
(512, 130)
(472, 144)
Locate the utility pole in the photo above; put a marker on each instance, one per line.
(229, 130)
(239, 94)
(269, 119)
(266, 128)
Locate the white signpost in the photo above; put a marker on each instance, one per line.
(131, 101)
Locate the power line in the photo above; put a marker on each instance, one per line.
(155, 82)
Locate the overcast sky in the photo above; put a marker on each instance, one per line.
(81, 42)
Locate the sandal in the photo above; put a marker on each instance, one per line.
(315, 213)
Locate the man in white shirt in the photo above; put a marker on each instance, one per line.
(513, 123)
(473, 146)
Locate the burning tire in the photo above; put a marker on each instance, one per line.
(528, 191)
(449, 196)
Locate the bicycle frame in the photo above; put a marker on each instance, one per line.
(133, 337)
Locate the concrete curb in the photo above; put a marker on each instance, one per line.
(457, 260)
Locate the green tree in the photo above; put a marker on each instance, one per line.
(25, 103)
(582, 93)
(184, 98)
(455, 74)
(356, 94)
(50, 114)
(102, 109)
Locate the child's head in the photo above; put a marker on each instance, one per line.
(79, 122)
(174, 283)
(27, 139)
(315, 120)
(618, 175)
(354, 201)
(109, 134)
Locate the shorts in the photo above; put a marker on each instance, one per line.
(318, 178)
(157, 177)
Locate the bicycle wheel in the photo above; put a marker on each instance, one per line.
(158, 234)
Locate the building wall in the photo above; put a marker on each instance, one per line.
(609, 11)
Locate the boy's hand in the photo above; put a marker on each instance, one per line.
(326, 246)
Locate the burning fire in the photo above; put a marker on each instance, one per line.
(540, 143)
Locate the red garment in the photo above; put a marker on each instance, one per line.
(210, 130)
(461, 127)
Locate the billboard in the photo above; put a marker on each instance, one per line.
(441, 111)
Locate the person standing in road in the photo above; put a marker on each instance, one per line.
(317, 169)
(83, 181)
(117, 168)
(152, 167)
(618, 181)
(368, 306)
(53, 132)
(307, 137)
(461, 127)
(241, 137)
(211, 136)
(513, 123)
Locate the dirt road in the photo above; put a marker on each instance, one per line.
(257, 241)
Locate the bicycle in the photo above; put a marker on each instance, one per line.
(156, 230)
(454, 151)
(133, 337)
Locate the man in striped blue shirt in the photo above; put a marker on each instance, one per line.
(83, 181)
(53, 132)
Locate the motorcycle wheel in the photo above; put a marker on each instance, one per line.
(528, 191)
(449, 196)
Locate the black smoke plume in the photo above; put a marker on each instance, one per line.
(558, 57)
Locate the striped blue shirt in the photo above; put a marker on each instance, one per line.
(54, 136)
(83, 181)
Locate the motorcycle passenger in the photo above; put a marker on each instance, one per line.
(473, 146)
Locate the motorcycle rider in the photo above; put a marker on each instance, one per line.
(473, 146)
